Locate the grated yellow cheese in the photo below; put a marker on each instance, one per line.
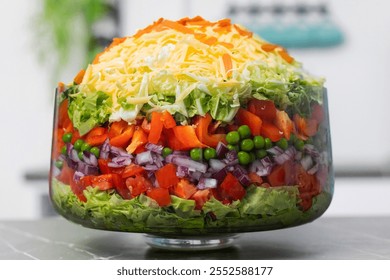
(189, 52)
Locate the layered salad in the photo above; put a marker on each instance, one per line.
(191, 127)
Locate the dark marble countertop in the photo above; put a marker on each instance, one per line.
(365, 238)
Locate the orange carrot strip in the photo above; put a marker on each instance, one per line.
(269, 47)
(227, 62)
(79, 77)
(227, 45)
(224, 22)
(177, 26)
(210, 41)
(242, 32)
(286, 56)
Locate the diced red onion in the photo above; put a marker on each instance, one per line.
(90, 158)
(158, 160)
(313, 169)
(105, 150)
(231, 163)
(115, 151)
(182, 171)
(221, 150)
(311, 150)
(264, 171)
(144, 158)
(242, 175)
(87, 169)
(307, 162)
(56, 171)
(275, 151)
(151, 167)
(216, 164)
(266, 161)
(180, 153)
(77, 176)
(119, 161)
(220, 175)
(207, 183)
(154, 148)
(231, 155)
(73, 155)
(191, 164)
(196, 175)
(298, 155)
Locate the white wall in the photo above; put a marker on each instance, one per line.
(357, 75)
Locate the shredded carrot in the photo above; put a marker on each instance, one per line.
(286, 56)
(227, 45)
(79, 77)
(242, 32)
(149, 28)
(210, 41)
(227, 62)
(224, 22)
(269, 47)
(200, 36)
(177, 26)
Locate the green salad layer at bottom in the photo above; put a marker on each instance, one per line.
(260, 209)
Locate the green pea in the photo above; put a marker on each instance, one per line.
(247, 145)
(81, 155)
(282, 143)
(259, 142)
(233, 137)
(166, 151)
(64, 150)
(261, 153)
(243, 158)
(67, 137)
(267, 143)
(77, 145)
(244, 131)
(209, 153)
(59, 164)
(299, 144)
(85, 147)
(233, 147)
(196, 154)
(95, 151)
(293, 139)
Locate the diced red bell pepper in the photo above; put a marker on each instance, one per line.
(137, 185)
(96, 136)
(120, 134)
(103, 182)
(105, 169)
(271, 131)
(202, 132)
(168, 120)
(284, 123)
(160, 195)
(132, 170)
(156, 127)
(120, 186)
(139, 138)
(187, 136)
(245, 117)
(201, 197)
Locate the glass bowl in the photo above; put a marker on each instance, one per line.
(267, 175)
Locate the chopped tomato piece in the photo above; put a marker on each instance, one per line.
(282, 175)
(255, 179)
(184, 189)
(96, 136)
(201, 197)
(139, 138)
(105, 169)
(245, 117)
(120, 133)
(103, 182)
(77, 188)
(317, 113)
(231, 188)
(137, 185)
(265, 109)
(271, 131)
(202, 131)
(120, 186)
(86, 181)
(66, 175)
(166, 176)
(160, 195)
(145, 125)
(284, 123)
(132, 170)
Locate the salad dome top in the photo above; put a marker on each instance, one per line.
(169, 65)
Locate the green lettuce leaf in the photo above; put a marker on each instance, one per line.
(88, 111)
(221, 210)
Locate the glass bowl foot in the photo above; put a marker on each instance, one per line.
(191, 243)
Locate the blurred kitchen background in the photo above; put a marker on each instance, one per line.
(348, 42)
